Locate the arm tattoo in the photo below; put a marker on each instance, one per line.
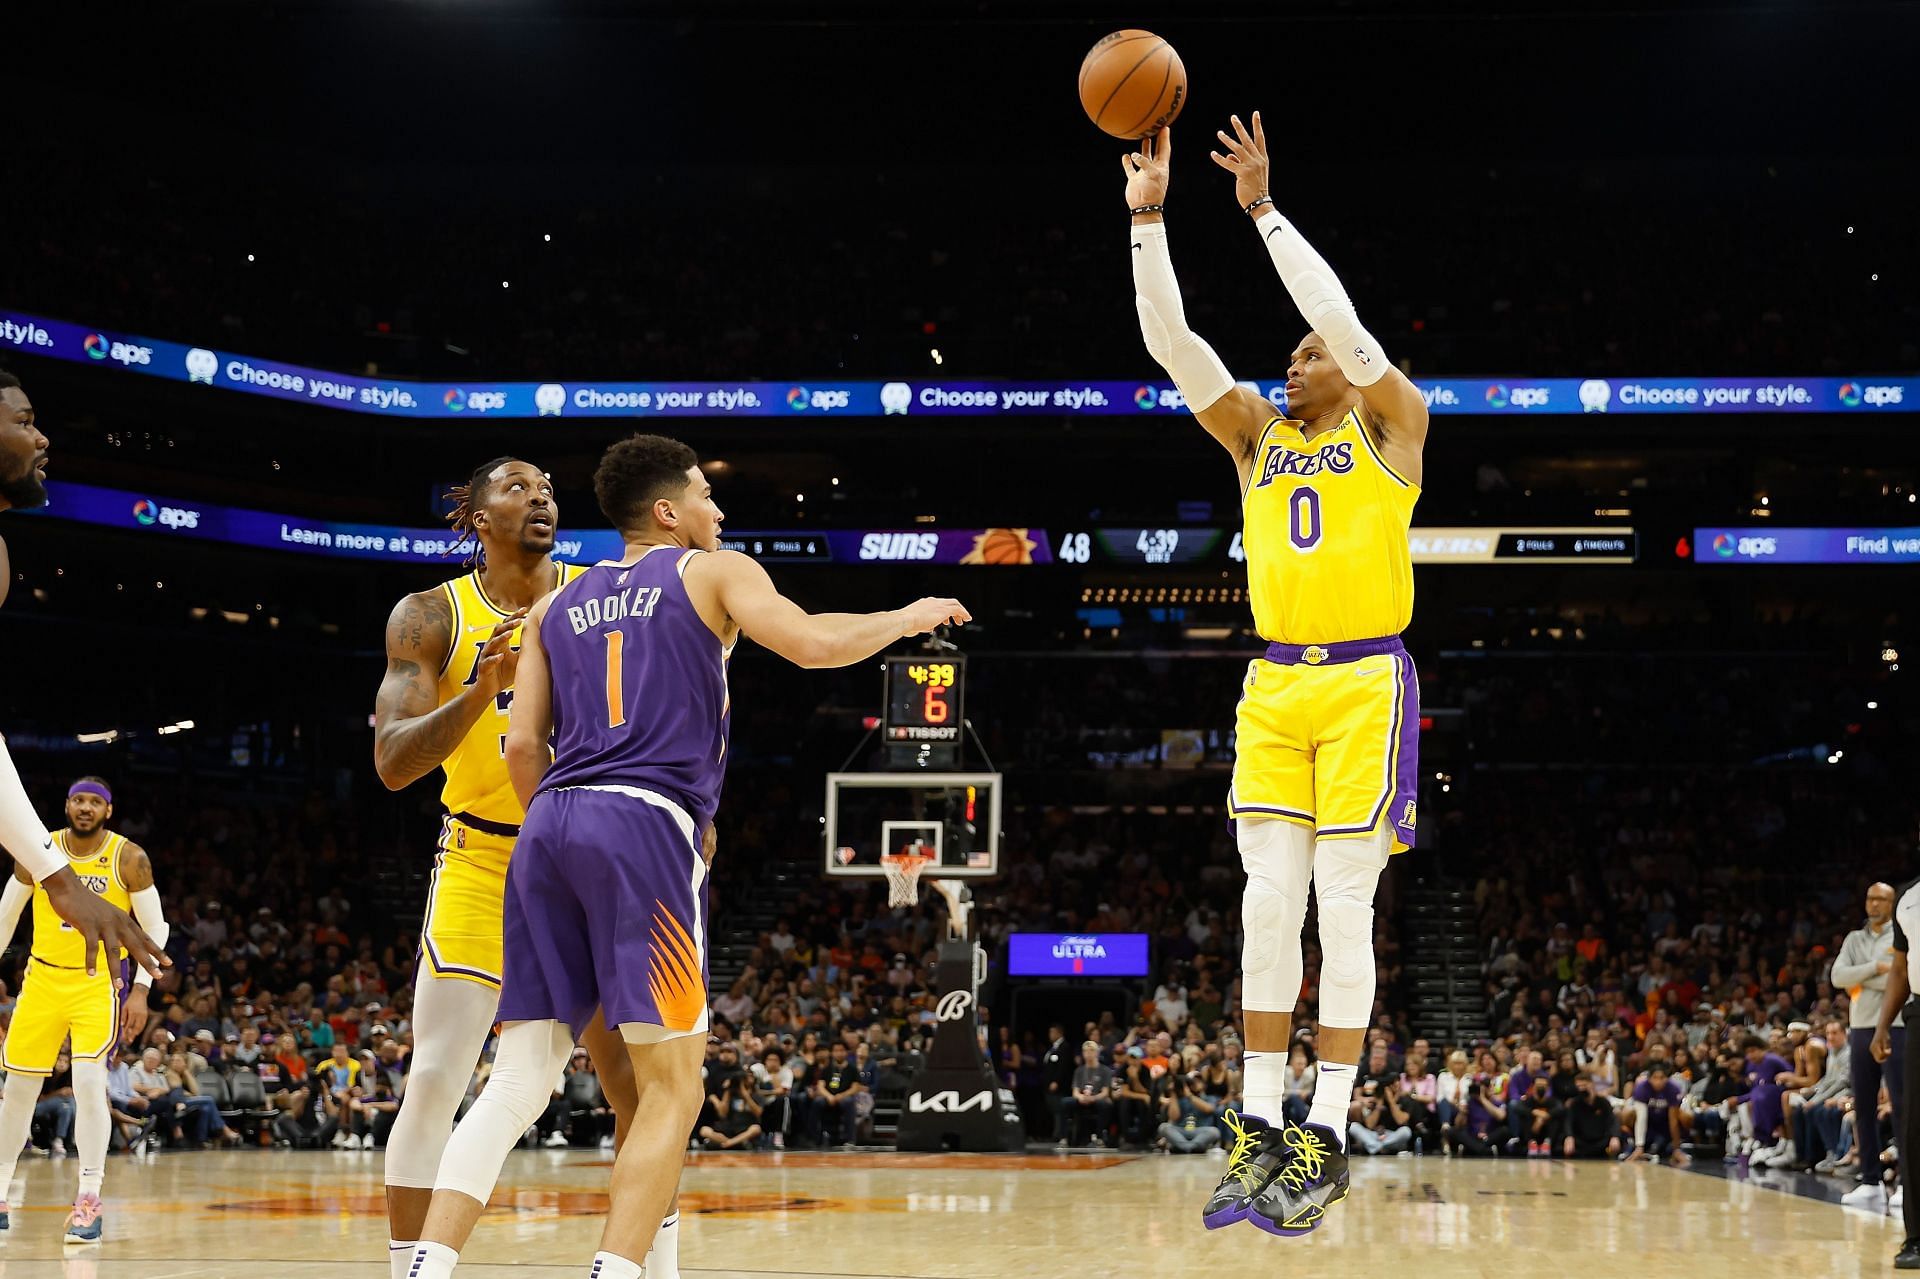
(413, 732)
(136, 868)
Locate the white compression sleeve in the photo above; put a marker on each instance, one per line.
(92, 1123)
(1195, 369)
(451, 1018)
(1317, 292)
(13, 900)
(526, 1066)
(21, 831)
(147, 913)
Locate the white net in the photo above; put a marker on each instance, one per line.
(903, 877)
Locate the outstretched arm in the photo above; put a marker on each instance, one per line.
(1231, 414)
(743, 592)
(1394, 403)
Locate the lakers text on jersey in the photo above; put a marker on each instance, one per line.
(1328, 725)
(57, 998)
(460, 936)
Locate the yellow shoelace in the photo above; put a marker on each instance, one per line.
(1309, 1156)
(1240, 1160)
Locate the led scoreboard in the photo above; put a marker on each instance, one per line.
(924, 698)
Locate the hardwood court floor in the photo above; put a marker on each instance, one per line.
(310, 1214)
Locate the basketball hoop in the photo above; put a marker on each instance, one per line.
(903, 876)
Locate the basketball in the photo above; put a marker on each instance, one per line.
(1132, 84)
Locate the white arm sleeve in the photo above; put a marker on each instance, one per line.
(1195, 369)
(146, 913)
(21, 831)
(1317, 292)
(12, 902)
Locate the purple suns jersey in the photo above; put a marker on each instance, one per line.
(639, 684)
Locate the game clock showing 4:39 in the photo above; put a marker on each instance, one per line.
(924, 699)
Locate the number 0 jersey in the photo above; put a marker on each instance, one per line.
(477, 782)
(1326, 536)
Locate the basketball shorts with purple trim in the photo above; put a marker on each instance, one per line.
(606, 907)
(58, 1002)
(1330, 740)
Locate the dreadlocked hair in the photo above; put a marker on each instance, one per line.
(466, 498)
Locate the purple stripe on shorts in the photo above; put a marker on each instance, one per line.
(1401, 788)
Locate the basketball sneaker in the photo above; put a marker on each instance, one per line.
(84, 1225)
(1258, 1151)
(1312, 1179)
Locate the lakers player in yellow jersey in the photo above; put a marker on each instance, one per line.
(59, 999)
(451, 656)
(1323, 780)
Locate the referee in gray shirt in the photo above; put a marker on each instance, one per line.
(1862, 968)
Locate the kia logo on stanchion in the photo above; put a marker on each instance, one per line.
(953, 1005)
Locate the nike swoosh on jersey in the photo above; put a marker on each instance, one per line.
(1374, 670)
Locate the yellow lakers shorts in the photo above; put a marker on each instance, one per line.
(55, 1003)
(1328, 736)
(466, 901)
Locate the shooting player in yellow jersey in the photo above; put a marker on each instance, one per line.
(1323, 782)
(60, 998)
(451, 656)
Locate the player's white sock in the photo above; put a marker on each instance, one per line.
(607, 1265)
(1333, 1099)
(432, 1261)
(16, 1120)
(663, 1262)
(400, 1256)
(1266, 1085)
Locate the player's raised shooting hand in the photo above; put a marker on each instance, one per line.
(500, 659)
(925, 615)
(1246, 159)
(1148, 170)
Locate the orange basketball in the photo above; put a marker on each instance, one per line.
(1132, 84)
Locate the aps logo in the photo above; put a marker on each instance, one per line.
(1726, 546)
(1499, 396)
(1144, 398)
(147, 513)
(1854, 394)
(800, 399)
(99, 346)
(458, 401)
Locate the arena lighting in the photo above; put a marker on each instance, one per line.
(95, 739)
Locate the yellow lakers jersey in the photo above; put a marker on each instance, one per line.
(477, 781)
(1326, 536)
(54, 940)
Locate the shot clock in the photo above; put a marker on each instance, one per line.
(925, 698)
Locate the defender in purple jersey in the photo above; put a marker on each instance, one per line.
(624, 671)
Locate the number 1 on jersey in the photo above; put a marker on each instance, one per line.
(616, 694)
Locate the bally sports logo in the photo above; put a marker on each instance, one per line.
(148, 513)
(99, 347)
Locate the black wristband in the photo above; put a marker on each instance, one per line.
(1265, 199)
(1149, 208)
